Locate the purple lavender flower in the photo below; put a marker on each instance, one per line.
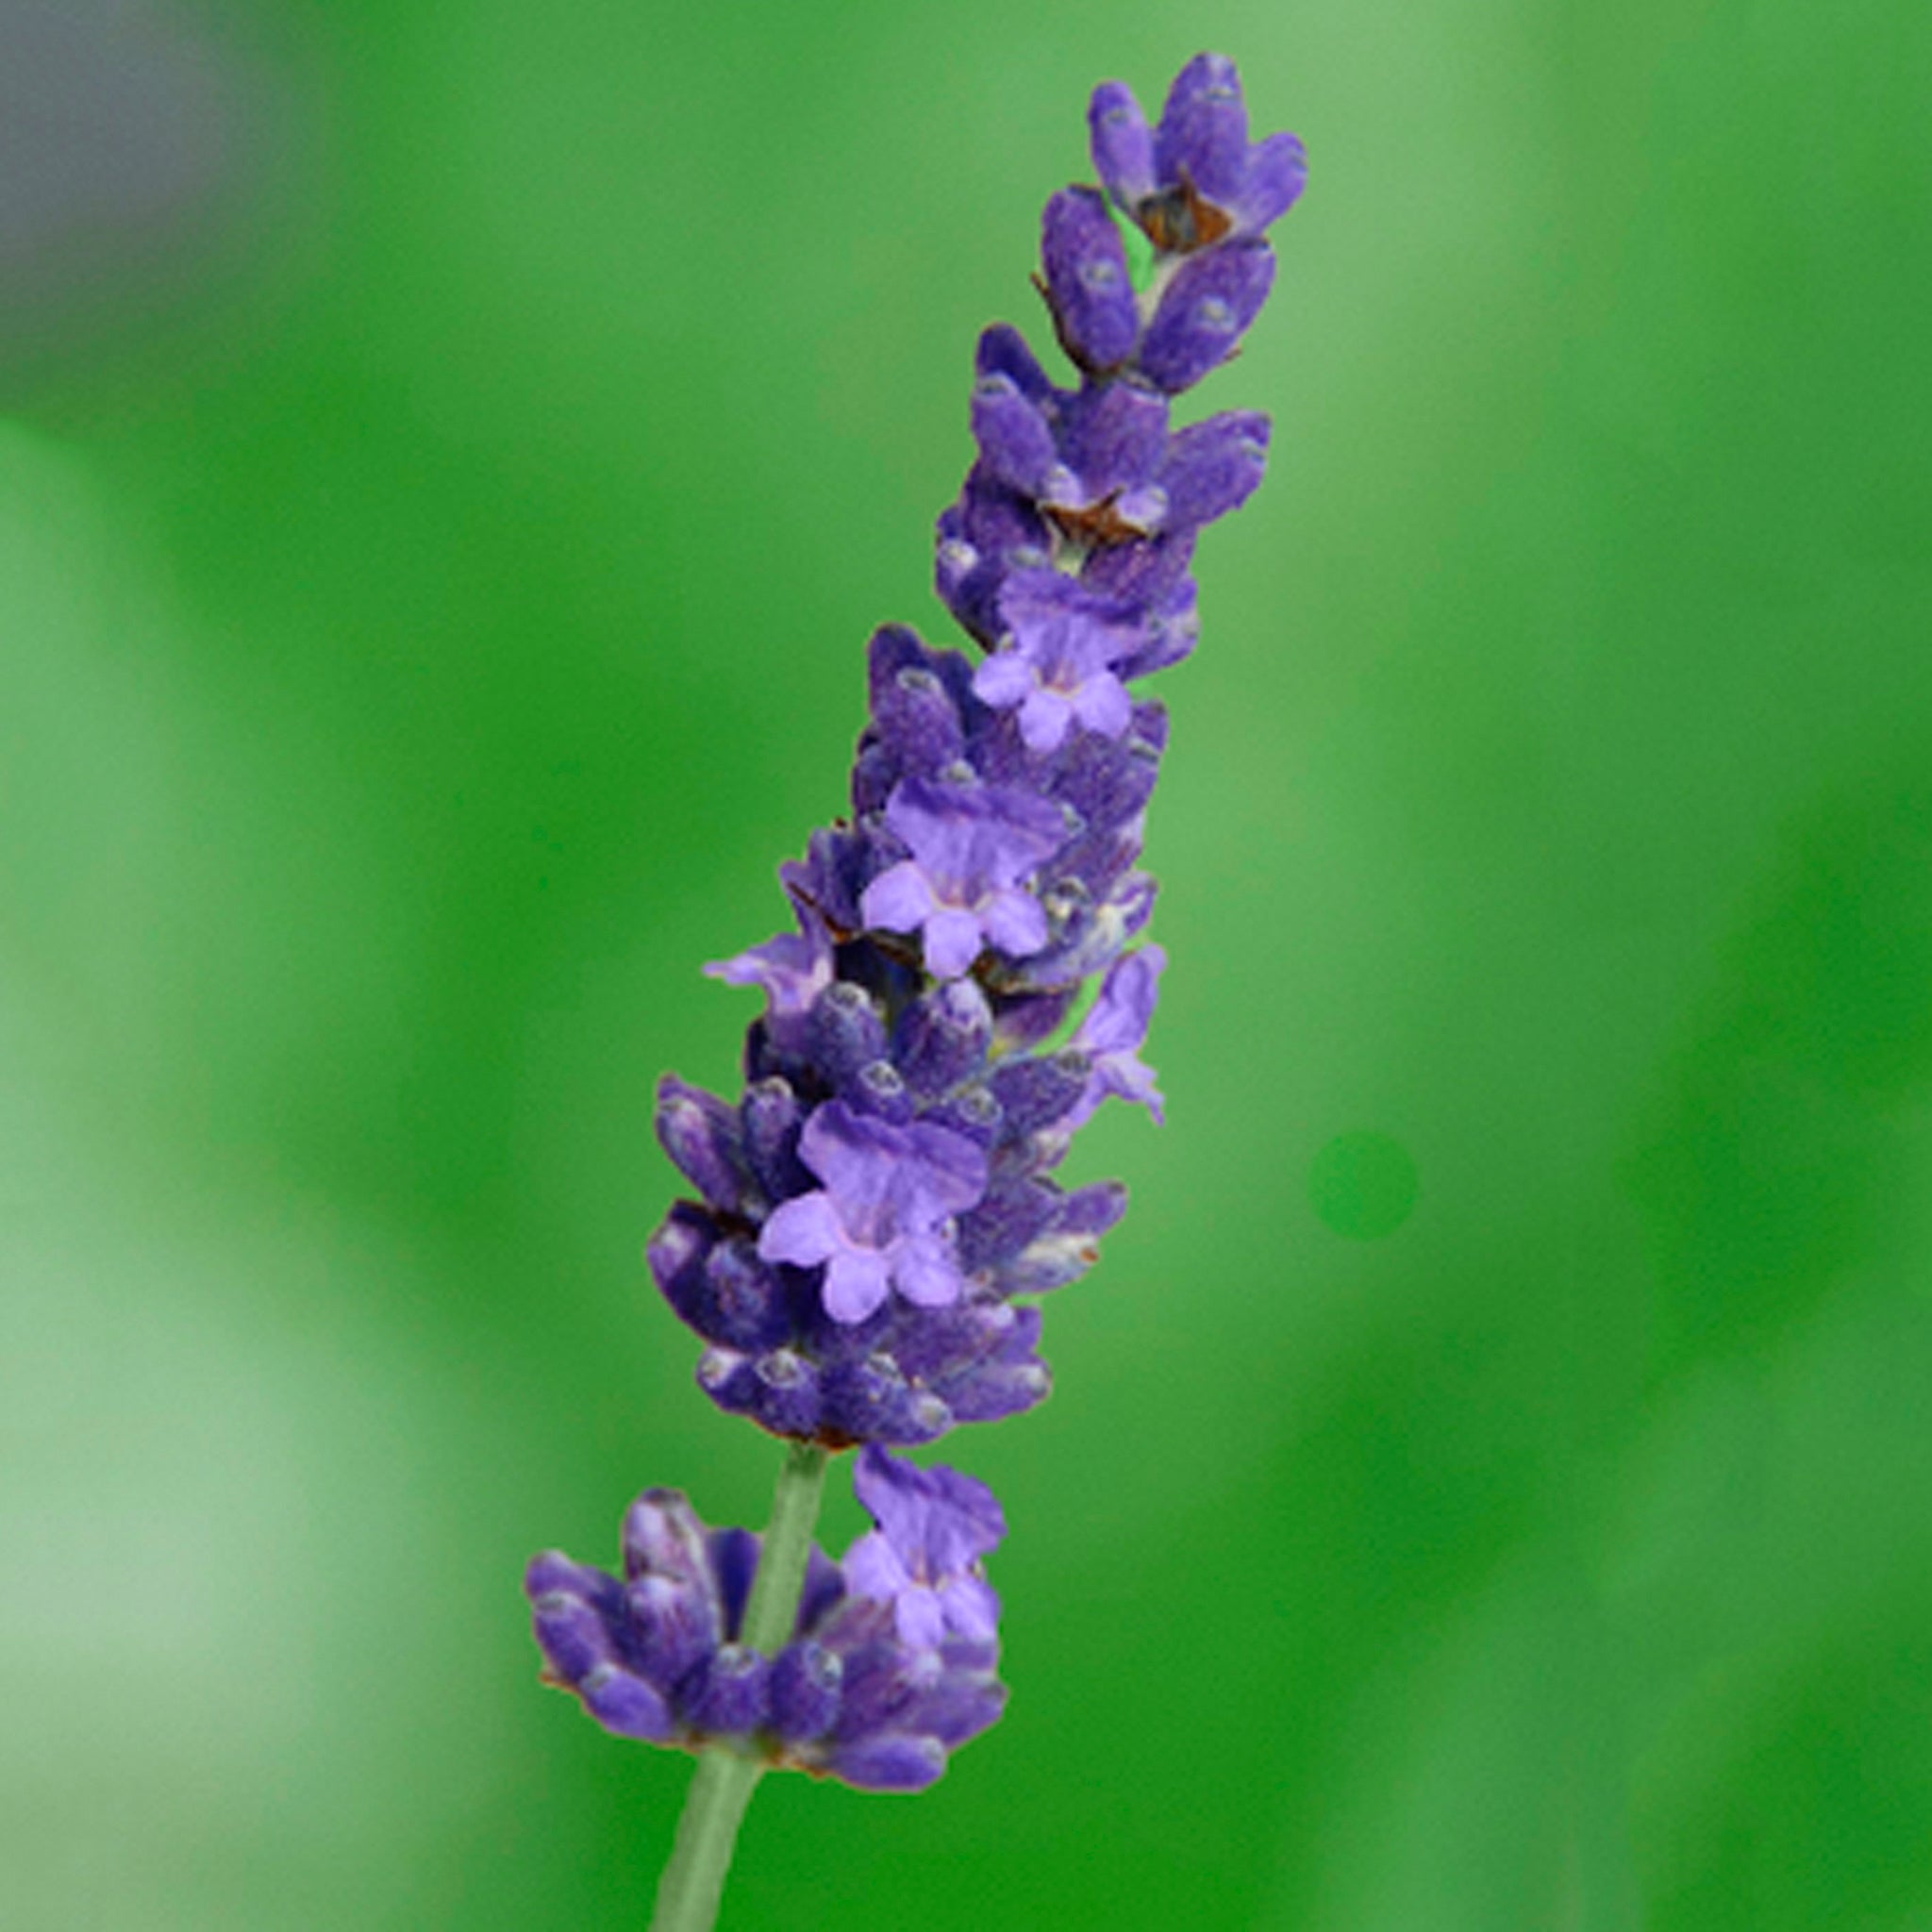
(1196, 179)
(933, 1526)
(879, 1222)
(1111, 1034)
(875, 1685)
(793, 968)
(1061, 668)
(971, 846)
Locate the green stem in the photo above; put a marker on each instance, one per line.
(694, 1881)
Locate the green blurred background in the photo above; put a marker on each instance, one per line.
(452, 456)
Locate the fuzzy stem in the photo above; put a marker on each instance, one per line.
(694, 1881)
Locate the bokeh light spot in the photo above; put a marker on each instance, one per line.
(1363, 1185)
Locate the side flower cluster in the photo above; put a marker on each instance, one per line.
(874, 1217)
(892, 1653)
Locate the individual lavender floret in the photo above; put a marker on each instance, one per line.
(892, 1662)
(1111, 1034)
(1060, 671)
(1196, 179)
(793, 968)
(971, 845)
(878, 1222)
(934, 1525)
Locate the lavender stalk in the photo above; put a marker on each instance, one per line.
(876, 1217)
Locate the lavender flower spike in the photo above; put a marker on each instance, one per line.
(873, 1218)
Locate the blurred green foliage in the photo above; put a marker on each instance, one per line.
(425, 620)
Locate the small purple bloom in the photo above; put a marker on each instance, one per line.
(971, 846)
(932, 1527)
(795, 968)
(879, 1222)
(1111, 1034)
(1196, 179)
(1058, 671)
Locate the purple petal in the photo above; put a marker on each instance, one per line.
(858, 1159)
(1204, 128)
(872, 1567)
(1045, 718)
(952, 942)
(1005, 679)
(946, 1175)
(919, 1618)
(804, 1231)
(1102, 705)
(938, 1520)
(967, 839)
(896, 1495)
(1131, 1079)
(1118, 1018)
(1122, 146)
(790, 968)
(899, 900)
(1015, 921)
(1086, 279)
(925, 1271)
(1064, 628)
(1202, 315)
(971, 1609)
(857, 1281)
